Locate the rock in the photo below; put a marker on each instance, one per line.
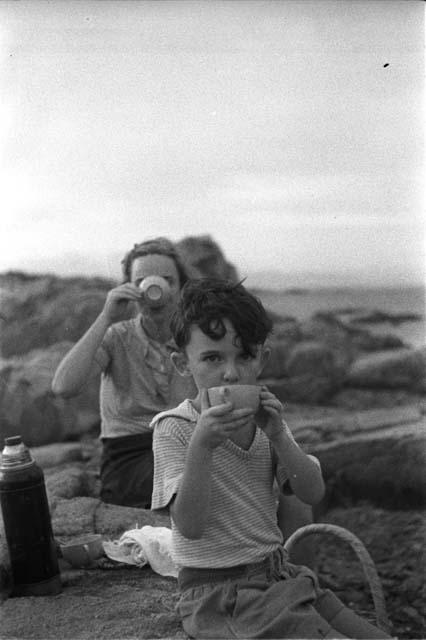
(28, 406)
(69, 481)
(311, 373)
(387, 466)
(128, 602)
(53, 455)
(291, 341)
(365, 341)
(362, 399)
(347, 339)
(276, 366)
(124, 602)
(114, 520)
(204, 257)
(286, 328)
(285, 335)
(327, 329)
(377, 455)
(337, 427)
(376, 316)
(75, 516)
(38, 311)
(399, 369)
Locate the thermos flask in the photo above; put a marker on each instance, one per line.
(27, 524)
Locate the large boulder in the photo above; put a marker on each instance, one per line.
(285, 335)
(312, 372)
(376, 454)
(28, 406)
(386, 466)
(345, 339)
(397, 369)
(327, 329)
(205, 258)
(276, 366)
(38, 311)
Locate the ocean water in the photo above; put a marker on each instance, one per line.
(302, 304)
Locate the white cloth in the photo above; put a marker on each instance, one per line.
(147, 545)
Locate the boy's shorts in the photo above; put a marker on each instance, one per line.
(269, 599)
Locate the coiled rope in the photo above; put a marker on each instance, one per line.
(367, 563)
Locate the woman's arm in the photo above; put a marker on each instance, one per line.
(79, 363)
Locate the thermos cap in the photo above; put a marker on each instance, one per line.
(15, 453)
(9, 442)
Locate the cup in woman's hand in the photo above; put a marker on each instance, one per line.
(155, 291)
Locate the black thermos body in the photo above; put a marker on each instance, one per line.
(27, 523)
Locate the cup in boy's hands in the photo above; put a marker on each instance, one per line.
(242, 396)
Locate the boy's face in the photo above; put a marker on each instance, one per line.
(213, 363)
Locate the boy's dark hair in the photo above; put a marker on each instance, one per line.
(157, 246)
(206, 302)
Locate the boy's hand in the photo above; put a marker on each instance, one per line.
(217, 423)
(117, 302)
(270, 415)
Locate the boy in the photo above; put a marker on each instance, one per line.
(215, 469)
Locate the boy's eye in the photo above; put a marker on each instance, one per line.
(246, 356)
(211, 358)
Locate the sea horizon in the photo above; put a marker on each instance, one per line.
(303, 301)
(253, 280)
(347, 302)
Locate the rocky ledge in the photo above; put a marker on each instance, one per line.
(112, 600)
(354, 398)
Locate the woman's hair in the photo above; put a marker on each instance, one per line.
(156, 246)
(207, 302)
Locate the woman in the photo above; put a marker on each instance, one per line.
(138, 379)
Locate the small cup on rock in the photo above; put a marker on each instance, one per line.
(83, 552)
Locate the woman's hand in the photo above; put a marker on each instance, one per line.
(216, 424)
(117, 302)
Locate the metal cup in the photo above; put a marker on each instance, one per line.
(84, 551)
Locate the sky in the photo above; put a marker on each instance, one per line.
(290, 131)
